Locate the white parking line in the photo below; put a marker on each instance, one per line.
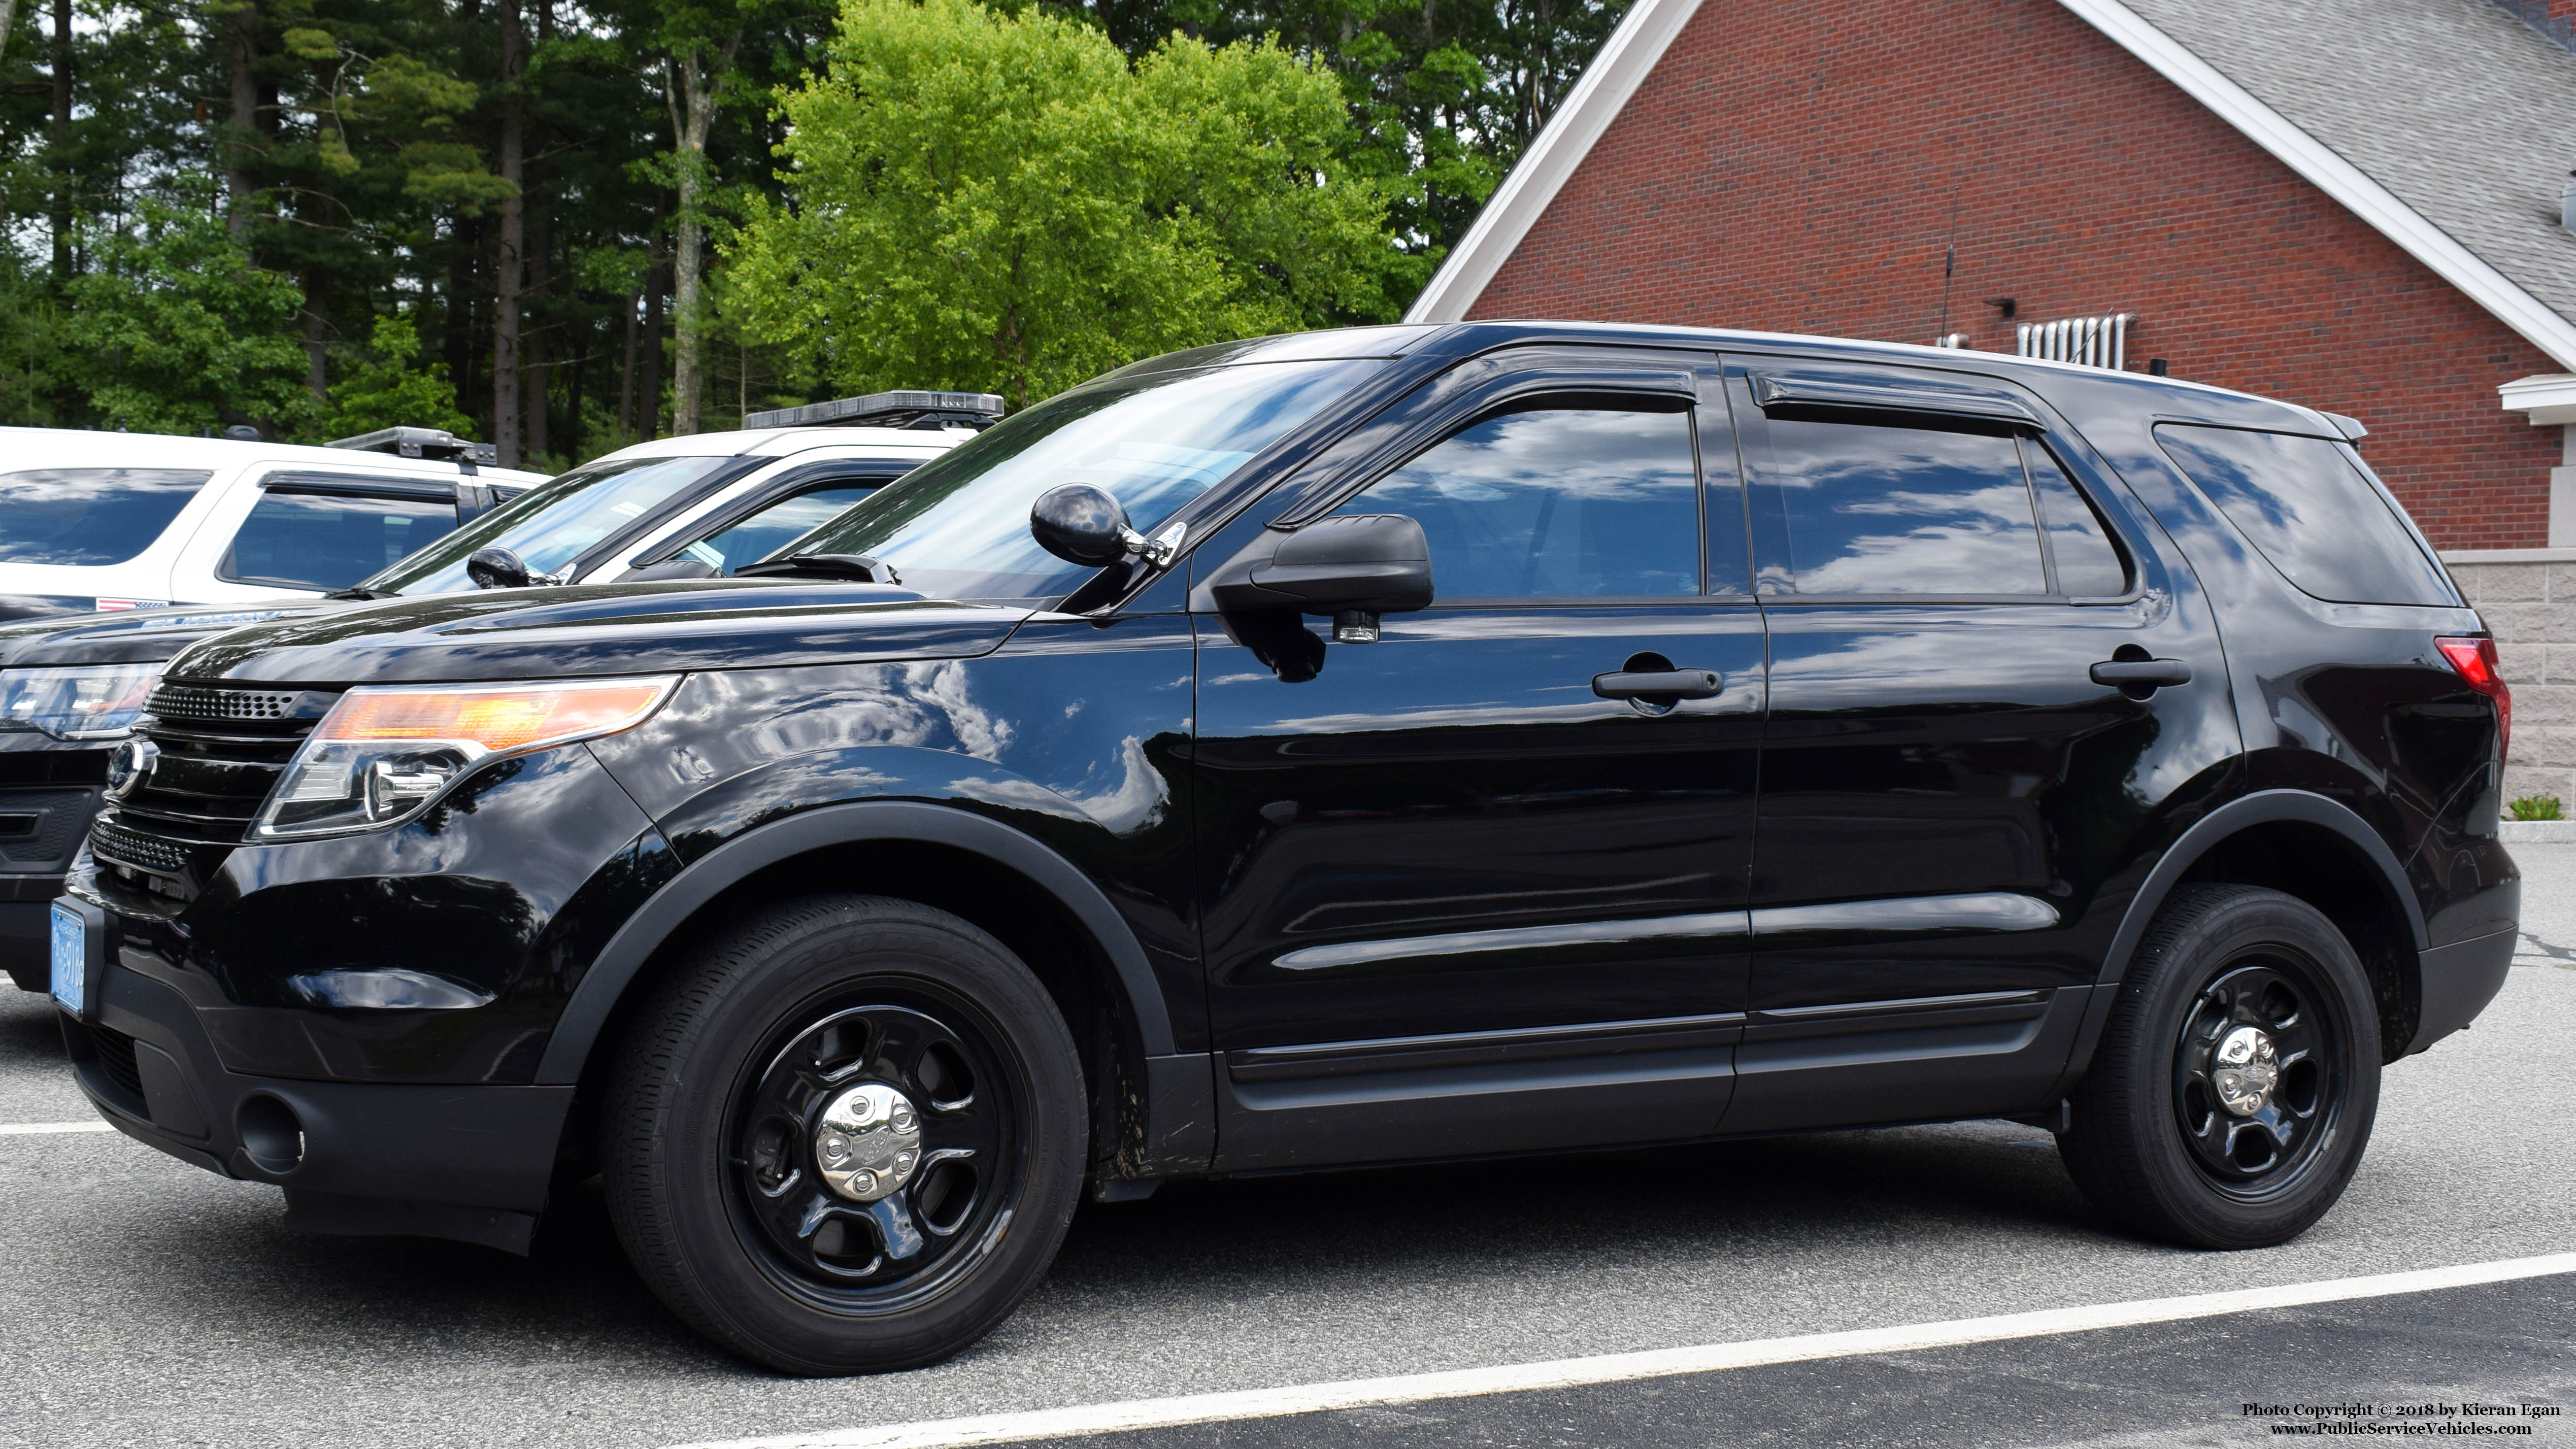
(1619, 1367)
(38, 1129)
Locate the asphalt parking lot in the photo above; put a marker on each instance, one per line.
(142, 1301)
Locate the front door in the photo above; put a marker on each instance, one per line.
(1458, 896)
(1949, 797)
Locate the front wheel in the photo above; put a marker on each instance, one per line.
(845, 1136)
(2237, 1078)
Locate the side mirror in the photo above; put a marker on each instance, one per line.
(1353, 568)
(498, 568)
(1082, 524)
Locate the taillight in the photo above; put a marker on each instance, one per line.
(2476, 661)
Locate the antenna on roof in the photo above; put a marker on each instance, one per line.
(1949, 264)
(907, 408)
(420, 443)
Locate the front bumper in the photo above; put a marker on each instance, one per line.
(465, 1162)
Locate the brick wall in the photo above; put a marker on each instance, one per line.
(1794, 166)
(2532, 609)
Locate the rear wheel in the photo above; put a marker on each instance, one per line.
(2237, 1078)
(845, 1136)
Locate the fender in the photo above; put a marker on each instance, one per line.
(2262, 807)
(577, 1031)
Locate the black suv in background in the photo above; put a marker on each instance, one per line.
(1344, 748)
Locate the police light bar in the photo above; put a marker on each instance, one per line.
(909, 408)
(420, 443)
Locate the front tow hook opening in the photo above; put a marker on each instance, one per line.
(272, 1135)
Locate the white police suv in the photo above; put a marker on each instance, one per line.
(111, 521)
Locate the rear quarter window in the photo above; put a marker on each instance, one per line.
(90, 516)
(315, 540)
(2311, 512)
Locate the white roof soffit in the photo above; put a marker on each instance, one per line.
(2338, 178)
(1626, 59)
(2549, 397)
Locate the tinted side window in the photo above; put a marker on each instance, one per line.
(1861, 508)
(1555, 502)
(2311, 513)
(2089, 565)
(89, 515)
(776, 526)
(330, 540)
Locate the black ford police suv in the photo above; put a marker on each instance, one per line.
(1332, 749)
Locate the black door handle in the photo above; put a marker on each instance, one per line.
(2148, 673)
(1660, 684)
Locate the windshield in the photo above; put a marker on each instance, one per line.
(958, 527)
(553, 523)
(90, 515)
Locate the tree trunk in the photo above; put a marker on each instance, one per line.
(693, 115)
(575, 434)
(626, 374)
(649, 401)
(241, 164)
(508, 261)
(533, 349)
(533, 370)
(460, 345)
(62, 140)
(317, 328)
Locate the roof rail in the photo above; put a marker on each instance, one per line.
(908, 408)
(420, 443)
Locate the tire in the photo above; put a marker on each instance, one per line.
(2154, 1140)
(913, 1026)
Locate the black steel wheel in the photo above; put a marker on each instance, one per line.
(2255, 1073)
(845, 1135)
(2233, 1091)
(876, 1151)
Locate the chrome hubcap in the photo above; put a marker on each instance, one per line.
(2244, 1070)
(868, 1143)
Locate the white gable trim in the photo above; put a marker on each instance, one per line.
(1626, 59)
(1642, 38)
(2338, 178)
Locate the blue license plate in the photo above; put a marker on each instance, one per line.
(71, 960)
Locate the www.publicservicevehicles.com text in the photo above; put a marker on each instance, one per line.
(2370, 1419)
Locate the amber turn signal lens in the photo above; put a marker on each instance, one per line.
(512, 717)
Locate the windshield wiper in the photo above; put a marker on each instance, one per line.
(360, 593)
(856, 567)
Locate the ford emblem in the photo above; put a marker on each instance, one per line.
(130, 766)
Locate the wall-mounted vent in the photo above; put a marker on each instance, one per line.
(2093, 341)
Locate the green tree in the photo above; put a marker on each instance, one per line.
(1445, 95)
(181, 332)
(979, 200)
(395, 388)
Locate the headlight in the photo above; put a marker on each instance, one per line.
(94, 702)
(384, 753)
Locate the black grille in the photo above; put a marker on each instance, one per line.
(116, 1058)
(220, 751)
(188, 701)
(112, 841)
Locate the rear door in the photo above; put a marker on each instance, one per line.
(1949, 792)
(1456, 899)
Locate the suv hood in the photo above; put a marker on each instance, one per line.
(141, 636)
(581, 632)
